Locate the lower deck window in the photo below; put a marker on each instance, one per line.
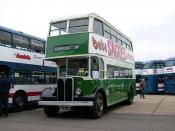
(118, 72)
(35, 77)
(23, 77)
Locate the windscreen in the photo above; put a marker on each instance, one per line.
(58, 28)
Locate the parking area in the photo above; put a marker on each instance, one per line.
(155, 113)
(152, 104)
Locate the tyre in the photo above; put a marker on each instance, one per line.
(130, 96)
(97, 109)
(19, 101)
(51, 111)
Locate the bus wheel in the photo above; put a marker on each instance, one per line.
(51, 111)
(130, 96)
(19, 101)
(98, 108)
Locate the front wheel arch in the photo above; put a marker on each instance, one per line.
(102, 91)
(97, 109)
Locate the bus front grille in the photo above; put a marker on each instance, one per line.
(65, 89)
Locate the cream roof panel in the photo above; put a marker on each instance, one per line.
(94, 15)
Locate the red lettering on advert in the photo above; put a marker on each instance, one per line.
(112, 49)
(99, 45)
(116, 51)
(23, 56)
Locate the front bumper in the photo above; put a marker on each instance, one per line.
(66, 103)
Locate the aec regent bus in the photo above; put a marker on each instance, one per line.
(21, 61)
(138, 73)
(153, 73)
(95, 65)
(169, 71)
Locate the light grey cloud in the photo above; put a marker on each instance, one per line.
(155, 42)
(149, 23)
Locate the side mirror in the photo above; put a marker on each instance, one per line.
(95, 74)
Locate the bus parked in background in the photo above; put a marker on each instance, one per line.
(22, 62)
(153, 73)
(138, 73)
(95, 65)
(169, 71)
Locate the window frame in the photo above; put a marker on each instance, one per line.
(17, 45)
(122, 72)
(101, 24)
(42, 50)
(78, 26)
(57, 29)
(10, 43)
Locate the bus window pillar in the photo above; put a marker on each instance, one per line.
(90, 28)
(58, 71)
(95, 68)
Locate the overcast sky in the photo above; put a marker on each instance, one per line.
(149, 23)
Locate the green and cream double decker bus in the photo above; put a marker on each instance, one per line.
(95, 65)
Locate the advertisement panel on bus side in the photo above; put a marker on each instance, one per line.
(21, 56)
(102, 46)
(152, 71)
(170, 69)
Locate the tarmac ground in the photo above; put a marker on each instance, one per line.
(154, 113)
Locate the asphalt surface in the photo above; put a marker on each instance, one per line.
(150, 114)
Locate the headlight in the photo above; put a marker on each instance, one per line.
(78, 91)
(46, 92)
(52, 90)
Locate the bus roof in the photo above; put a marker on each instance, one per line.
(153, 61)
(21, 33)
(139, 62)
(94, 15)
(171, 58)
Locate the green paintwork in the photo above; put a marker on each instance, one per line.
(117, 88)
(81, 39)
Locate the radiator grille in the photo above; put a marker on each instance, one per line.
(65, 89)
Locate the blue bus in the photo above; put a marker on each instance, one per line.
(153, 73)
(138, 73)
(169, 71)
(22, 62)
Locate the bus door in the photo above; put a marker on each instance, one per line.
(170, 83)
(138, 79)
(161, 86)
(5, 71)
(97, 72)
(147, 84)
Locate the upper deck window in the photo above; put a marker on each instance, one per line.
(158, 65)
(78, 25)
(119, 36)
(146, 66)
(169, 63)
(5, 38)
(153, 65)
(20, 41)
(107, 31)
(98, 27)
(58, 28)
(138, 66)
(37, 46)
(114, 35)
